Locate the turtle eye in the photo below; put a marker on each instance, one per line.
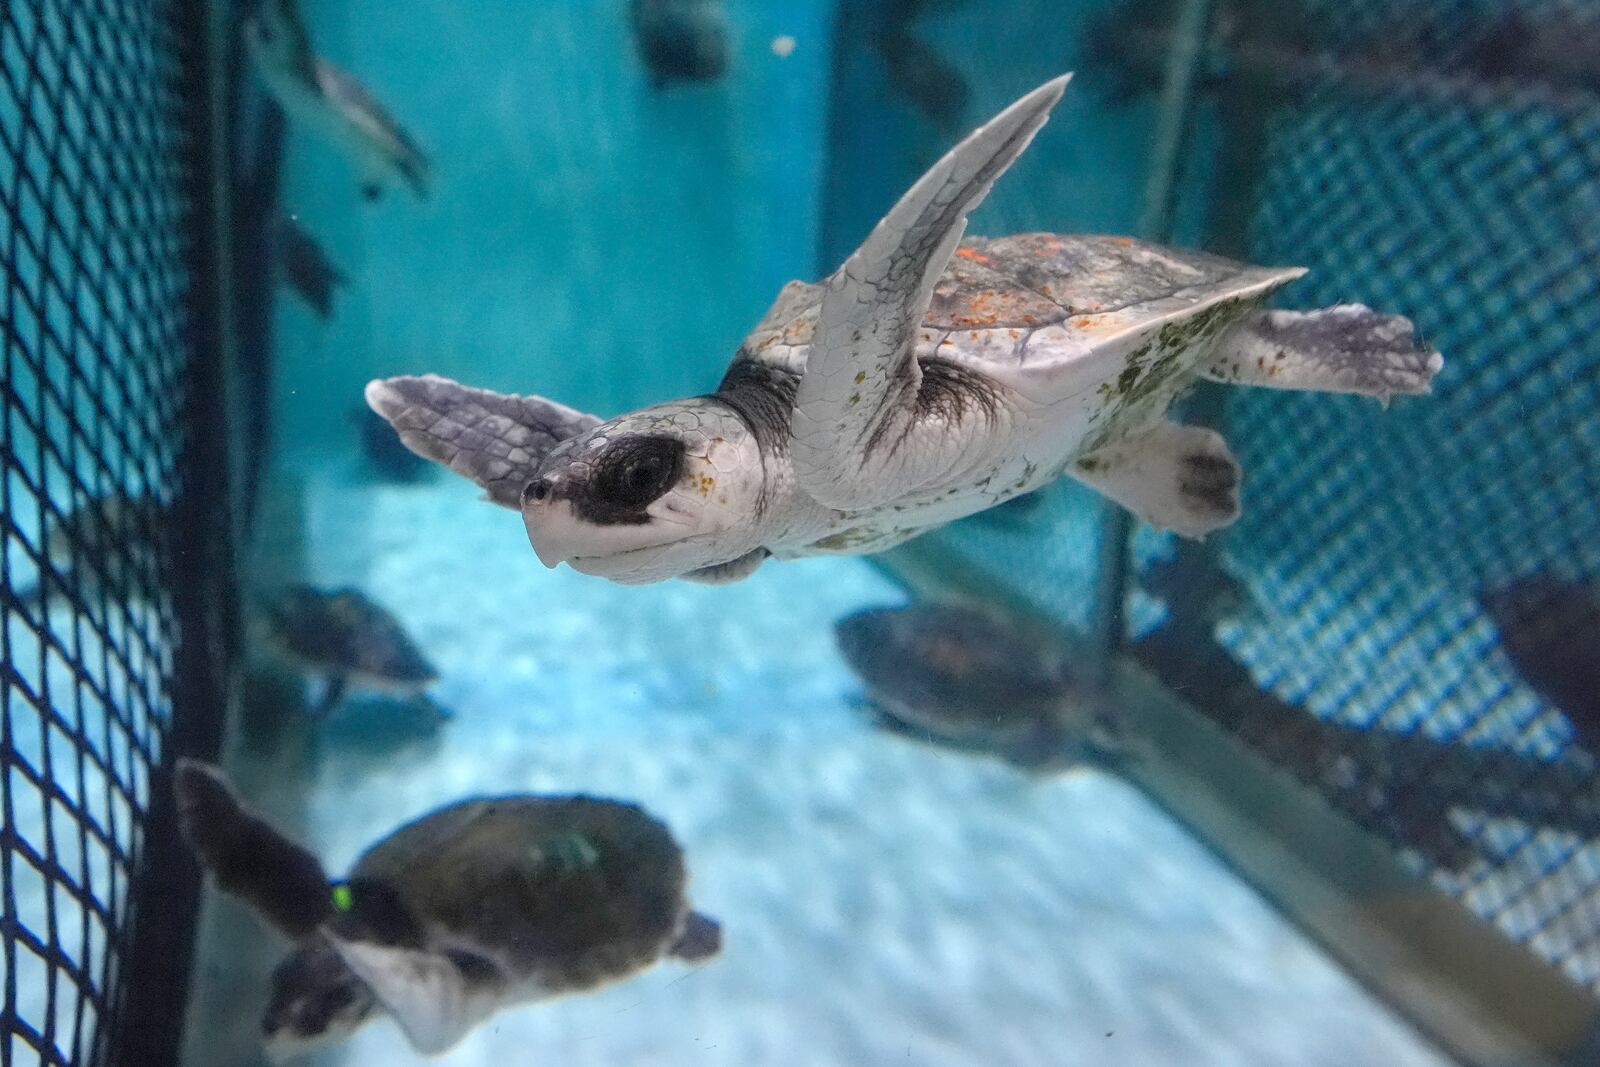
(637, 470)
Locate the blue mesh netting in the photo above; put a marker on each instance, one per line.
(94, 336)
(1441, 159)
(1408, 176)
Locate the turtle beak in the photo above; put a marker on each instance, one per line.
(553, 530)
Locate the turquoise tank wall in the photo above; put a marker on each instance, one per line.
(587, 238)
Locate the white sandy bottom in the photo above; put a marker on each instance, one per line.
(882, 902)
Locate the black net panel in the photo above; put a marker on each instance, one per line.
(1418, 634)
(96, 235)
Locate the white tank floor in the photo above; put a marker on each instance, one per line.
(882, 902)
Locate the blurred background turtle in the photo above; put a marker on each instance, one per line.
(345, 637)
(109, 544)
(305, 268)
(966, 679)
(1550, 631)
(680, 40)
(474, 907)
(328, 103)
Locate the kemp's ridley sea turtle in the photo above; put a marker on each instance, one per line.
(475, 906)
(928, 378)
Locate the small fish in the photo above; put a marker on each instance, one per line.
(306, 268)
(971, 681)
(385, 455)
(330, 103)
(680, 40)
(1550, 630)
(346, 637)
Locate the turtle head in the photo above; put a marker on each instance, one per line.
(317, 1000)
(653, 495)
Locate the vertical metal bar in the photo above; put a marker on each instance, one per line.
(1106, 628)
(145, 1027)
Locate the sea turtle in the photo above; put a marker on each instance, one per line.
(925, 380)
(477, 906)
(1550, 631)
(111, 545)
(973, 681)
(345, 636)
(330, 103)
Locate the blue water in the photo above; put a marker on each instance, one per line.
(609, 246)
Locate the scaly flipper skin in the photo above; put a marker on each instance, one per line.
(496, 439)
(858, 395)
(424, 991)
(1348, 348)
(1178, 478)
(249, 857)
(735, 570)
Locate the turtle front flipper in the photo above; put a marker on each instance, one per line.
(496, 439)
(1178, 478)
(735, 570)
(863, 394)
(250, 858)
(1348, 348)
(425, 991)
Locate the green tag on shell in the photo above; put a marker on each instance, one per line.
(342, 898)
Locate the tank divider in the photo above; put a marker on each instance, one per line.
(1481, 998)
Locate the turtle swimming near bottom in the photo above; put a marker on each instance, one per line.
(973, 681)
(346, 636)
(474, 907)
(928, 378)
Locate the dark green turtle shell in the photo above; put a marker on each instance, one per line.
(572, 891)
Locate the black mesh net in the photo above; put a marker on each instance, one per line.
(1415, 620)
(96, 231)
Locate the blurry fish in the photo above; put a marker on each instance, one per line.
(345, 637)
(111, 544)
(328, 102)
(382, 450)
(924, 77)
(681, 40)
(964, 678)
(1550, 630)
(474, 907)
(306, 268)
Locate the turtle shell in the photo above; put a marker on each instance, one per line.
(1105, 330)
(566, 891)
(345, 632)
(958, 673)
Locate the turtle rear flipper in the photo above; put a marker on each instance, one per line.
(1348, 348)
(496, 439)
(701, 938)
(250, 858)
(1178, 478)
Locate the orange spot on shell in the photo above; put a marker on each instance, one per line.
(974, 255)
